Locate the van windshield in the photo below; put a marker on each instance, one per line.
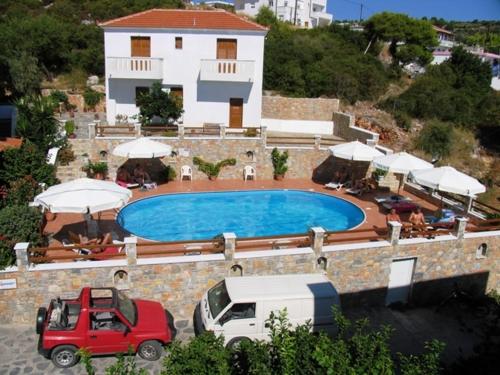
(218, 299)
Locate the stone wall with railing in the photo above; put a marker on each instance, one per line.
(358, 268)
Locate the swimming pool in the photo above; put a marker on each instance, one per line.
(254, 213)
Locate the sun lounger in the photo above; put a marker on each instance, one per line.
(391, 199)
(337, 185)
(353, 191)
(128, 185)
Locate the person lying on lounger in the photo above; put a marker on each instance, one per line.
(140, 175)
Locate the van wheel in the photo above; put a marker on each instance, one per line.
(150, 350)
(235, 342)
(64, 356)
(40, 319)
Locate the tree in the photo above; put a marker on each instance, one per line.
(266, 17)
(36, 122)
(25, 73)
(25, 228)
(416, 35)
(28, 160)
(158, 103)
(435, 138)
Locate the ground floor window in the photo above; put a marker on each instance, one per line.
(178, 92)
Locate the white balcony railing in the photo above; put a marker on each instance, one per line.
(227, 70)
(322, 17)
(134, 67)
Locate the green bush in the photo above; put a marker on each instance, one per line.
(22, 191)
(212, 170)
(26, 227)
(250, 132)
(435, 138)
(99, 167)
(26, 161)
(169, 174)
(58, 96)
(158, 103)
(36, 122)
(279, 160)
(92, 98)
(403, 120)
(7, 254)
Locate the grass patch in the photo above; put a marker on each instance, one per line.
(75, 80)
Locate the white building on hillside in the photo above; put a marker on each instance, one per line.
(303, 13)
(213, 59)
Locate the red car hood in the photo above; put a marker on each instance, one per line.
(151, 316)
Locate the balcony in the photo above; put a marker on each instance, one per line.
(323, 18)
(227, 70)
(134, 67)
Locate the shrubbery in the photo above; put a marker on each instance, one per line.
(435, 138)
(21, 223)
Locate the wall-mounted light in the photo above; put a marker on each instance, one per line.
(322, 263)
(236, 268)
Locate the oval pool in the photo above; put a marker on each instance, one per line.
(190, 216)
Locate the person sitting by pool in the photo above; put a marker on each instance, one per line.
(417, 219)
(393, 216)
(140, 175)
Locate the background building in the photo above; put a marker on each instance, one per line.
(303, 13)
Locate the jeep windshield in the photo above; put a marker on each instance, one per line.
(218, 299)
(127, 308)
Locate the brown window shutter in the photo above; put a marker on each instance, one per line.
(140, 46)
(178, 42)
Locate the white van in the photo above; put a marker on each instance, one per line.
(238, 307)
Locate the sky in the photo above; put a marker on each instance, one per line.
(459, 10)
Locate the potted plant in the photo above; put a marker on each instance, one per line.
(169, 174)
(279, 160)
(69, 127)
(97, 170)
(378, 174)
(212, 170)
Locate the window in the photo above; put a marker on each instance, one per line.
(482, 251)
(178, 42)
(239, 311)
(226, 49)
(271, 3)
(105, 321)
(140, 46)
(140, 91)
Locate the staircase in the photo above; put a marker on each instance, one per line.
(74, 169)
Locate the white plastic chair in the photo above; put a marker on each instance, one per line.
(249, 171)
(186, 171)
(52, 155)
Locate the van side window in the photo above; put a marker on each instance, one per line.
(239, 311)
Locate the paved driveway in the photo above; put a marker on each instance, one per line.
(18, 354)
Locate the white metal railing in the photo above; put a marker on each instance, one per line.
(227, 70)
(134, 67)
(322, 17)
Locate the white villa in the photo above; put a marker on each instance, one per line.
(213, 59)
(303, 13)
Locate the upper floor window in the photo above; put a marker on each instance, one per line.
(140, 46)
(226, 49)
(271, 3)
(178, 42)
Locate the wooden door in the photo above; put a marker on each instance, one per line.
(226, 49)
(140, 46)
(235, 113)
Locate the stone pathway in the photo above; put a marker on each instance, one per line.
(18, 355)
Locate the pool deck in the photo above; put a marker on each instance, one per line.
(375, 214)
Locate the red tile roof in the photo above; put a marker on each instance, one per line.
(10, 142)
(185, 19)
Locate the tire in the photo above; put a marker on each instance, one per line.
(40, 319)
(64, 356)
(235, 342)
(150, 350)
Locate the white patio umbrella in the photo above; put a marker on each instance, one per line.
(142, 148)
(401, 162)
(84, 195)
(355, 151)
(450, 180)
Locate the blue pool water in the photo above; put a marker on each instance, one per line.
(175, 217)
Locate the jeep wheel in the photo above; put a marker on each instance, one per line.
(235, 342)
(40, 319)
(150, 350)
(64, 356)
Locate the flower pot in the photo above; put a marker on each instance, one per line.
(72, 136)
(279, 177)
(212, 178)
(99, 176)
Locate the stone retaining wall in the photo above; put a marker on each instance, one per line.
(301, 164)
(344, 128)
(279, 107)
(360, 272)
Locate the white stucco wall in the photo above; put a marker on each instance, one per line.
(299, 126)
(204, 101)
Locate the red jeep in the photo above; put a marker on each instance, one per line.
(103, 321)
